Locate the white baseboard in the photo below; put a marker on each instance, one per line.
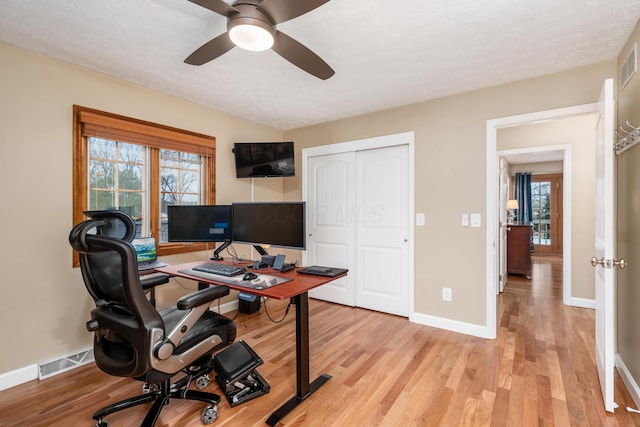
(583, 303)
(452, 325)
(226, 307)
(28, 373)
(628, 380)
(19, 376)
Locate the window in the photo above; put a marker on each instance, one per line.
(140, 168)
(546, 205)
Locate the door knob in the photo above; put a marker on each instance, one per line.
(620, 263)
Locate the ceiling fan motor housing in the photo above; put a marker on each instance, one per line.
(249, 14)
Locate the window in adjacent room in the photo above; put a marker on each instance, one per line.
(546, 202)
(140, 168)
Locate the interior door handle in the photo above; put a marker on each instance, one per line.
(620, 263)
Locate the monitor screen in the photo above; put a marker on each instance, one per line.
(280, 224)
(199, 223)
(264, 159)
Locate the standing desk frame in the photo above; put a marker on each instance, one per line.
(297, 289)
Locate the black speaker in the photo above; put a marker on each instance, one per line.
(248, 303)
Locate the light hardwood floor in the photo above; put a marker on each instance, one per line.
(386, 371)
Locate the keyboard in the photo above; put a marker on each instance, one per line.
(220, 269)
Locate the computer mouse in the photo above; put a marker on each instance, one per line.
(249, 276)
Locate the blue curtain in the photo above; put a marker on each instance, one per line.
(523, 196)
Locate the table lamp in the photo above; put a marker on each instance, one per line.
(512, 204)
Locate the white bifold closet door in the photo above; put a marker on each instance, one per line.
(357, 210)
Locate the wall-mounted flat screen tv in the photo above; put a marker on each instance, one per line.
(264, 159)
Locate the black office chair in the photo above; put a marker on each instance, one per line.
(133, 338)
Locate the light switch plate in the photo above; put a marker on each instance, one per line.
(475, 220)
(419, 219)
(465, 220)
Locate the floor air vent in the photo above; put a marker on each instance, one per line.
(65, 363)
(629, 67)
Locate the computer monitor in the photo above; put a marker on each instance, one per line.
(280, 224)
(199, 223)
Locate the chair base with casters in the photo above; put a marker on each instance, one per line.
(161, 393)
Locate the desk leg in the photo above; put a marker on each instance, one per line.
(304, 389)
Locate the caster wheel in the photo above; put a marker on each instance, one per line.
(148, 388)
(102, 424)
(209, 415)
(203, 382)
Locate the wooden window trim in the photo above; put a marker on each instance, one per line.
(90, 122)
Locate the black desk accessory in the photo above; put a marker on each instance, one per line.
(318, 270)
(235, 367)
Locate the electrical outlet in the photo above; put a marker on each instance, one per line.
(447, 294)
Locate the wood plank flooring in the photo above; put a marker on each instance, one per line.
(386, 371)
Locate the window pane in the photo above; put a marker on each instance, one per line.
(116, 171)
(131, 153)
(102, 148)
(102, 174)
(190, 182)
(99, 199)
(180, 183)
(541, 204)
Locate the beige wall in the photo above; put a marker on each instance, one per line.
(44, 308)
(629, 225)
(579, 133)
(450, 175)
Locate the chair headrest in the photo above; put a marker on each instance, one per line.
(96, 225)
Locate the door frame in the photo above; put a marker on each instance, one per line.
(405, 138)
(492, 186)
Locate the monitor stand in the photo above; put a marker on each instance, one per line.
(216, 254)
(260, 250)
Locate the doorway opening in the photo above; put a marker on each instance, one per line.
(494, 206)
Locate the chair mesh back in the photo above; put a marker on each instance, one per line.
(113, 228)
(106, 272)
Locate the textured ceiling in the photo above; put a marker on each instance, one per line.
(385, 53)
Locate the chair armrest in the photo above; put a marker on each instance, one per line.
(202, 297)
(149, 281)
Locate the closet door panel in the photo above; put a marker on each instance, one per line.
(330, 240)
(382, 230)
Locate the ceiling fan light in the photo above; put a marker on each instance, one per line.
(251, 37)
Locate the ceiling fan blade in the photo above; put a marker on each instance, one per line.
(283, 10)
(301, 56)
(217, 6)
(211, 50)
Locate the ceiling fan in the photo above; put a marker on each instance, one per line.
(251, 24)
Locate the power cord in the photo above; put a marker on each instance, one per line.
(266, 311)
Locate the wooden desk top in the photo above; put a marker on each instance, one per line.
(299, 284)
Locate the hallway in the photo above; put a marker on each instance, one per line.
(553, 354)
